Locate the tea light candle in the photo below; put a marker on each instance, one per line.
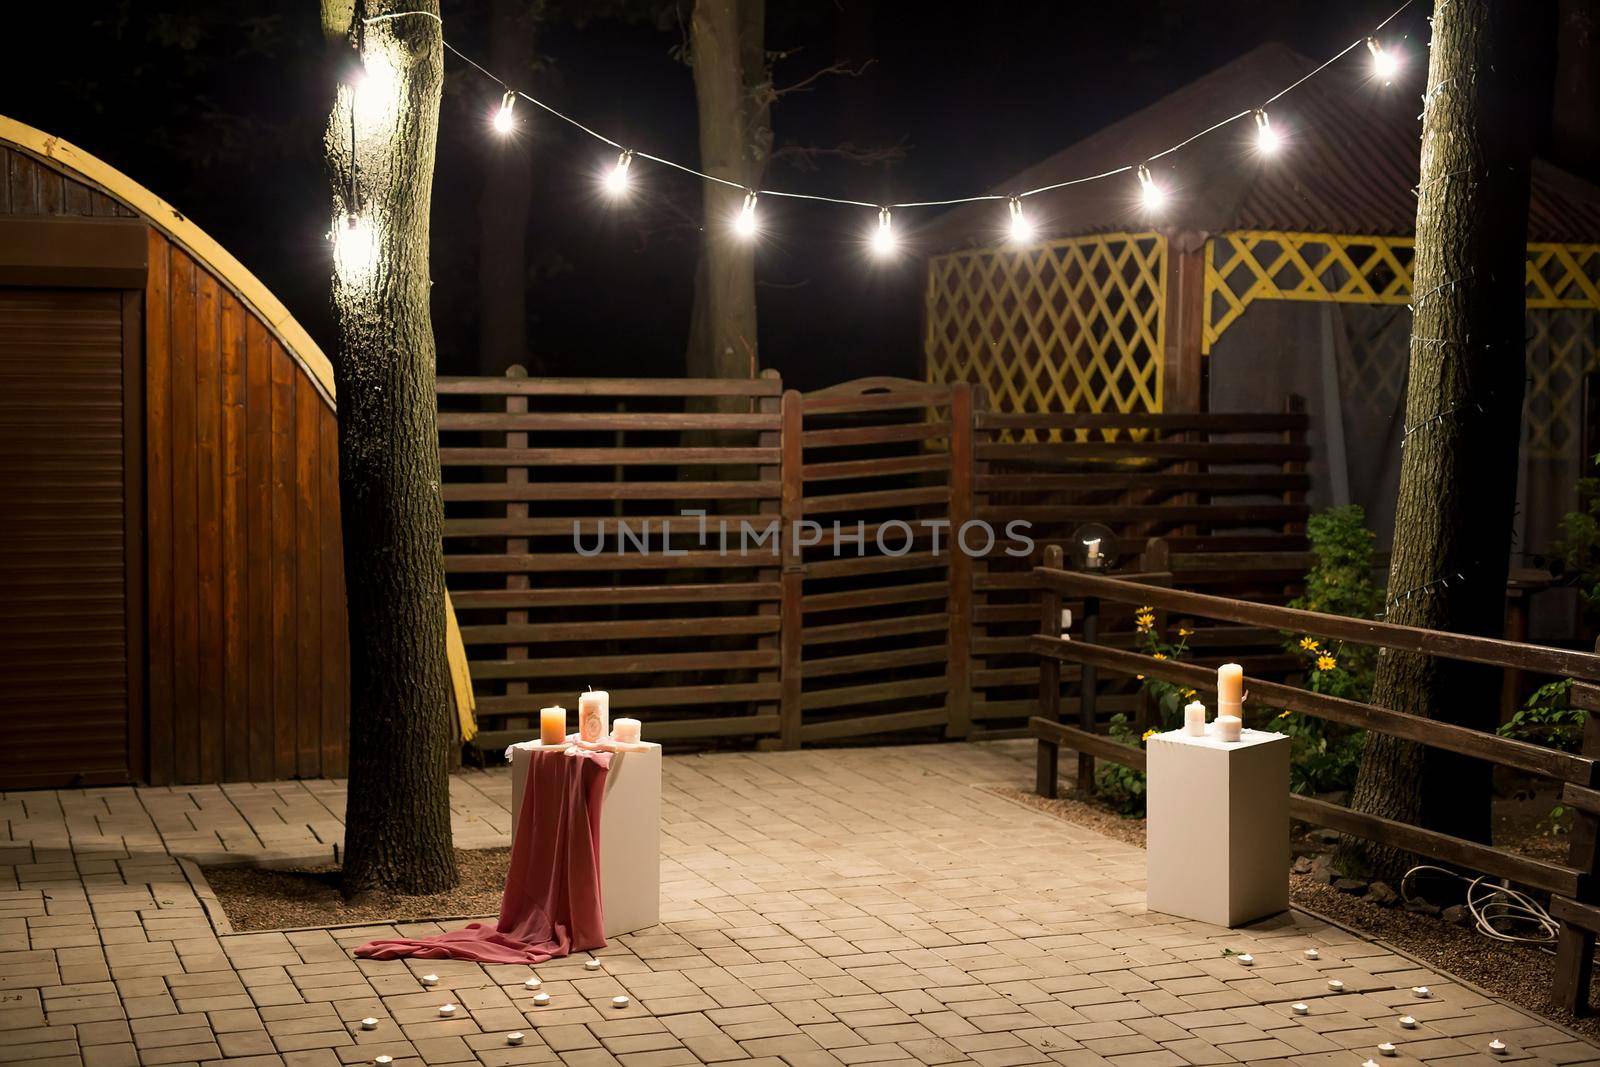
(1407, 1022)
(514, 1037)
(592, 964)
(383, 1060)
(541, 999)
(1194, 719)
(553, 726)
(1229, 727)
(626, 730)
(594, 715)
(1336, 985)
(369, 1023)
(532, 983)
(619, 1002)
(1300, 1009)
(1387, 1048)
(1230, 687)
(430, 979)
(1497, 1047)
(1421, 991)
(447, 1009)
(1247, 960)
(1312, 954)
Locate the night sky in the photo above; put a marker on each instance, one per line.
(218, 108)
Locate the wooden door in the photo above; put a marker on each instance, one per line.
(69, 544)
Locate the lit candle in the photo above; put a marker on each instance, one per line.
(594, 715)
(1229, 727)
(1091, 554)
(625, 730)
(553, 726)
(1230, 688)
(1194, 719)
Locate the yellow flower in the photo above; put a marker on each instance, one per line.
(1190, 694)
(1140, 677)
(1145, 619)
(1159, 655)
(1309, 644)
(1148, 734)
(1326, 662)
(1184, 631)
(1285, 713)
(1146, 609)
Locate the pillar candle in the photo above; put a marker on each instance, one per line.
(553, 726)
(625, 730)
(1229, 727)
(1230, 689)
(1194, 719)
(594, 715)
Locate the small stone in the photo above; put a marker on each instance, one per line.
(592, 964)
(1313, 954)
(1421, 992)
(1457, 915)
(1300, 1009)
(514, 1037)
(532, 983)
(430, 979)
(619, 1002)
(1336, 985)
(447, 1009)
(1247, 960)
(1408, 1022)
(1354, 886)
(1497, 1047)
(1382, 895)
(1387, 1048)
(541, 999)
(369, 1023)
(1418, 906)
(1302, 865)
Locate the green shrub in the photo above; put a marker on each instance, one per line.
(1578, 544)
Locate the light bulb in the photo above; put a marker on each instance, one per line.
(504, 121)
(1151, 193)
(883, 236)
(373, 82)
(616, 180)
(745, 224)
(355, 246)
(1385, 64)
(1021, 227)
(1267, 139)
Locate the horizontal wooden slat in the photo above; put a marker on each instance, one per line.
(1505, 751)
(877, 597)
(1082, 741)
(656, 729)
(872, 724)
(871, 693)
(874, 661)
(608, 387)
(624, 699)
(598, 666)
(1216, 515)
(606, 561)
(1219, 422)
(1265, 482)
(1200, 451)
(587, 596)
(874, 435)
(871, 501)
(602, 457)
(535, 421)
(874, 468)
(842, 404)
(854, 631)
(842, 568)
(1492, 650)
(729, 490)
(606, 629)
(1583, 916)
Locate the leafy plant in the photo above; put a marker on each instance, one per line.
(1122, 788)
(1548, 718)
(1578, 543)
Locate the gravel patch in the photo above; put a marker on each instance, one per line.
(282, 899)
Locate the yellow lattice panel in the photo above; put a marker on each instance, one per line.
(1069, 325)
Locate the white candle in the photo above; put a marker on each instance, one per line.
(1091, 555)
(1194, 719)
(594, 715)
(1230, 688)
(553, 726)
(1229, 727)
(625, 730)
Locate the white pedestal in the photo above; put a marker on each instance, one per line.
(1217, 826)
(630, 834)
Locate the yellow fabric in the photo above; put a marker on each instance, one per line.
(460, 676)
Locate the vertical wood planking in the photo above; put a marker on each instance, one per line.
(308, 580)
(235, 547)
(208, 540)
(335, 669)
(158, 512)
(185, 527)
(259, 701)
(790, 649)
(285, 693)
(958, 699)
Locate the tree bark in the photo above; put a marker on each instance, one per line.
(397, 821)
(732, 88)
(1463, 409)
(504, 204)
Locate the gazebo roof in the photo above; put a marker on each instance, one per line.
(1348, 164)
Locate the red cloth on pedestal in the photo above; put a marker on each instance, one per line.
(551, 905)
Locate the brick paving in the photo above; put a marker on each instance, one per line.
(819, 907)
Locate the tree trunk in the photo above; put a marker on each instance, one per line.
(503, 205)
(397, 821)
(1463, 407)
(731, 87)
(1575, 143)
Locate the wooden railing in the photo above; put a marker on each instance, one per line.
(1572, 885)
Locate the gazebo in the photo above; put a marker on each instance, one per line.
(1259, 276)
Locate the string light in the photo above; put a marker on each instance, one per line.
(1021, 226)
(504, 120)
(1151, 193)
(1267, 139)
(883, 236)
(616, 180)
(745, 224)
(1385, 64)
(355, 246)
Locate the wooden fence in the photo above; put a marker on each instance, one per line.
(818, 598)
(1572, 885)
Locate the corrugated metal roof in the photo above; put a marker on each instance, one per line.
(1348, 165)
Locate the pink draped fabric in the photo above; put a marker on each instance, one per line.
(551, 905)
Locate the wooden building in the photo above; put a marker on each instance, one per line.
(171, 588)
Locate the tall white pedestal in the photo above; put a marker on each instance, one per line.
(630, 834)
(1217, 826)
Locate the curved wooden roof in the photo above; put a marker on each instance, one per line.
(68, 157)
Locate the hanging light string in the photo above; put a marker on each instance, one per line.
(1385, 65)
